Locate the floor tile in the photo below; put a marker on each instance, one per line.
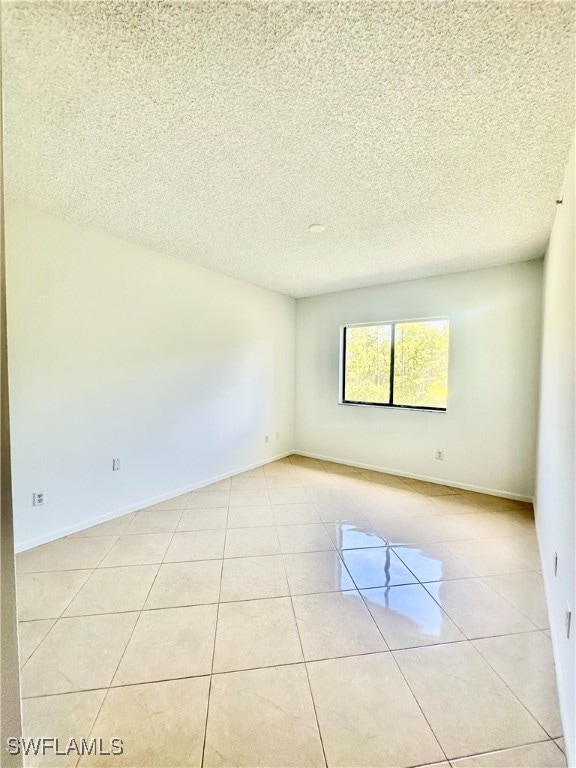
(295, 514)
(383, 478)
(57, 666)
(154, 521)
(64, 555)
(30, 635)
(316, 572)
(526, 665)
(195, 545)
(179, 584)
(279, 469)
(354, 484)
(526, 593)
(250, 517)
(285, 480)
(410, 504)
(344, 469)
(113, 527)
(477, 525)
(161, 724)
(377, 511)
(139, 549)
(203, 519)
(560, 744)
(431, 489)
(354, 534)
(526, 548)
(477, 609)
(542, 755)
(289, 496)
(377, 567)
(485, 501)
(327, 492)
(112, 590)
(304, 538)
(256, 633)
(45, 595)
(169, 643)
(408, 530)
(522, 518)
(433, 562)
(263, 717)
(307, 465)
(335, 624)
(467, 705)
(320, 479)
(487, 557)
(252, 483)
(249, 578)
(459, 504)
(333, 511)
(208, 499)
(69, 715)
(248, 542)
(408, 617)
(249, 498)
(354, 698)
(368, 497)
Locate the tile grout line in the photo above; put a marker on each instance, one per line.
(514, 694)
(305, 664)
(505, 749)
(432, 731)
(209, 695)
(402, 673)
(110, 686)
(60, 616)
(251, 669)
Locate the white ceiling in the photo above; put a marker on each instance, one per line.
(427, 137)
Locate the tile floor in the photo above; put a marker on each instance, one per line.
(300, 614)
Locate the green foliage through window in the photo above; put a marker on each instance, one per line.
(403, 364)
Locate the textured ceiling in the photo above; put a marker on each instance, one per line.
(427, 137)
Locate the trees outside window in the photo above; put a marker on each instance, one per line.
(402, 364)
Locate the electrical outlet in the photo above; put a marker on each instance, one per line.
(38, 498)
(568, 620)
(277, 435)
(266, 438)
(440, 455)
(555, 563)
(115, 465)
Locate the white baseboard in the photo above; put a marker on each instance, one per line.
(67, 530)
(412, 476)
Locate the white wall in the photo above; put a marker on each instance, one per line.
(118, 351)
(488, 433)
(555, 502)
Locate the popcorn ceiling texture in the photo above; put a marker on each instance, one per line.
(428, 137)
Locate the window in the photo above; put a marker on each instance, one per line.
(402, 365)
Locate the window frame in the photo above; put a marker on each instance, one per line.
(391, 404)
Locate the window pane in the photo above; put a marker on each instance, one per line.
(421, 364)
(367, 372)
